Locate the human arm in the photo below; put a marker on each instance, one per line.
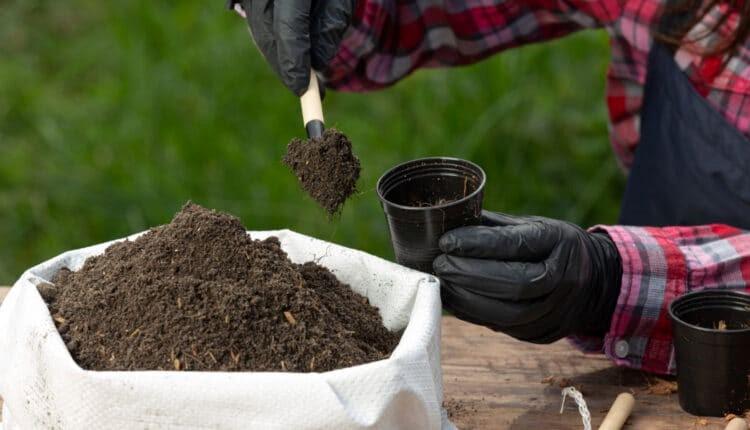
(386, 40)
(657, 265)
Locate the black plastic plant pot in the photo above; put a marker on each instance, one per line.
(712, 347)
(424, 198)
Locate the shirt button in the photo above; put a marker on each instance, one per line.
(622, 348)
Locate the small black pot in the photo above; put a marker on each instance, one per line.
(424, 198)
(713, 364)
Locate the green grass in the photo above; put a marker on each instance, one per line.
(113, 115)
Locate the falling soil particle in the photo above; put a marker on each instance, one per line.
(722, 325)
(661, 387)
(200, 294)
(325, 167)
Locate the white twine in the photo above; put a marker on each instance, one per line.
(582, 408)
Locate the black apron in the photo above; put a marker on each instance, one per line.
(691, 166)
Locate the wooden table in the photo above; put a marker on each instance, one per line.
(497, 381)
(501, 379)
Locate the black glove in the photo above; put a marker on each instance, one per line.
(536, 279)
(294, 35)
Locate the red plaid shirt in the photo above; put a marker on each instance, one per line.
(659, 265)
(389, 39)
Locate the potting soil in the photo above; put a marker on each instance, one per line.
(325, 167)
(200, 294)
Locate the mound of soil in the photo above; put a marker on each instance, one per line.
(325, 167)
(200, 294)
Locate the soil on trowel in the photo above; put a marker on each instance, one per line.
(325, 167)
(201, 294)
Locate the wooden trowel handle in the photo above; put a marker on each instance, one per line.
(312, 108)
(619, 412)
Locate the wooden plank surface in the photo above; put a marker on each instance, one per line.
(497, 384)
(3, 293)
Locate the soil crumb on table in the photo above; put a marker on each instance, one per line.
(661, 387)
(200, 294)
(458, 409)
(561, 382)
(325, 167)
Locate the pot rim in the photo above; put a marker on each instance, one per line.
(479, 189)
(698, 294)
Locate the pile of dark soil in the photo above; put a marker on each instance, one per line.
(325, 167)
(200, 294)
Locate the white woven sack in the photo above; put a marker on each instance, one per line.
(44, 388)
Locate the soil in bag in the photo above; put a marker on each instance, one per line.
(326, 168)
(201, 294)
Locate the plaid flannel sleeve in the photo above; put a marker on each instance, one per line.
(659, 265)
(389, 39)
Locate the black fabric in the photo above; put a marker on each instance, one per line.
(673, 20)
(692, 166)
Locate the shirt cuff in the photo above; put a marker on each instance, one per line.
(654, 272)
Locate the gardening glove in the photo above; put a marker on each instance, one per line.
(294, 35)
(536, 279)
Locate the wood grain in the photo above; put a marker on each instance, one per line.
(3, 293)
(498, 382)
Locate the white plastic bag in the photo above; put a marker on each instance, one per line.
(44, 388)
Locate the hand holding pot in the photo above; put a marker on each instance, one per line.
(295, 35)
(536, 279)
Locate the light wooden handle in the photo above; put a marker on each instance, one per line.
(312, 107)
(619, 412)
(737, 424)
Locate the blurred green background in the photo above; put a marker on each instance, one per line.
(112, 115)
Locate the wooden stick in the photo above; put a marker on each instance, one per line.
(737, 424)
(619, 412)
(312, 107)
